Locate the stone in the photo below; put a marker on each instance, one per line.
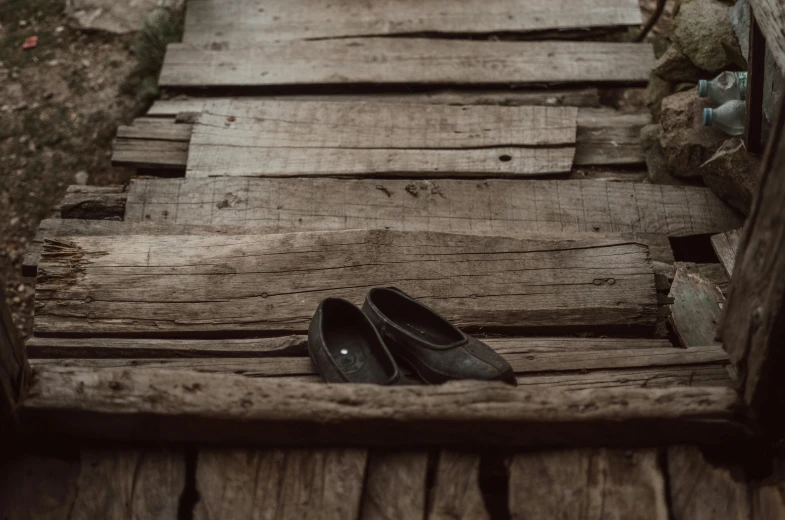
(113, 16)
(772, 86)
(656, 91)
(675, 67)
(81, 178)
(740, 21)
(656, 165)
(703, 32)
(732, 174)
(686, 143)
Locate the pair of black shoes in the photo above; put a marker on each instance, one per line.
(349, 345)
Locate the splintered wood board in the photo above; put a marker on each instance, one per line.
(398, 61)
(726, 245)
(494, 206)
(273, 283)
(234, 24)
(303, 138)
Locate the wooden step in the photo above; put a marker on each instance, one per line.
(235, 23)
(405, 61)
(320, 138)
(150, 285)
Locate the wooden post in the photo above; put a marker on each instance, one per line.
(14, 372)
(753, 327)
(753, 129)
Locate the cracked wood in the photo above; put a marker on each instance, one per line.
(148, 285)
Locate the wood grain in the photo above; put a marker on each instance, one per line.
(463, 206)
(288, 138)
(395, 485)
(753, 327)
(235, 24)
(587, 483)
(147, 285)
(607, 137)
(270, 484)
(144, 153)
(93, 202)
(584, 97)
(701, 491)
(396, 61)
(770, 15)
(456, 491)
(14, 373)
(155, 129)
(146, 404)
(697, 308)
(112, 484)
(726, 245)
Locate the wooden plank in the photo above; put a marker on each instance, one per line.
(753, 126)
(397, 61)
(701, 491)
(146, 404)
(463, 206)
(456, 492)
(395, 485)
(234, 22)
(188, 284)
(14, 374)
(753, 327)
(662, 377)
(726, 245)
(587, 483)
(304, 483)
(697, 308)
(529, 361)
(155, 129)
(111, 484)
(606, 137)
(143, 153)
(584, 97)
(93, 202)
(291, 346)
(770, 15)
(278, 138)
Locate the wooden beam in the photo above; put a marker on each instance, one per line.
(456, 493)
(753, 128)
(753, 328)
(770, 15)
(697, 307)
(93, 202)
(150, 404)
(14, 373)
(406, 61)
(726, 245)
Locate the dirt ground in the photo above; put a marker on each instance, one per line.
(60, 105)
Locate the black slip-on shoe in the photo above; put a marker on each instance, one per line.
(346, 348)
(429, 344)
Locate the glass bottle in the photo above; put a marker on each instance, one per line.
(728, 117)
(728, 86)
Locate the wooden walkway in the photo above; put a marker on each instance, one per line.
(327, 147)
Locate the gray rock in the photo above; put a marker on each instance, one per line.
(686, 143)
(732, 174)
(703, 32)
(656, 165)
(114, 16)
(675, 67)
(772, 86)
(656, 91)
(740, 21)
(81, 178)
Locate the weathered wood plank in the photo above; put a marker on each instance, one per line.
(726, 245)
(529, 361)
(463, 206)
(189, 284)
(753, 327)
(293, 346)
(286, 138)
(701, 491)
(395, 485)
(144, 153)
(151, 404)
(585, 97)
(456, 491)
(662, 377)
(697, 308)
(93, 202)
(396, 61)
(307, 483)
(111, 484)
(587, 483)
(608, 137)
(14, 373)
(227, 23)
(155, 129)
(770, 15)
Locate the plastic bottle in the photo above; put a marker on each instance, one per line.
(729, 117)
(728, 86)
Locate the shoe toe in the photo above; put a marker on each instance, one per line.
(488, 365)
